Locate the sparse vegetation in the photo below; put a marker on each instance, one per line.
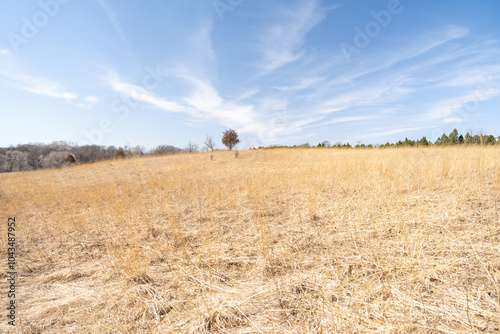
(276, 241)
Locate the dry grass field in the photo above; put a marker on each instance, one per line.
(274, 241)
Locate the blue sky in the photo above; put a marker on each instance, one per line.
(154, 72)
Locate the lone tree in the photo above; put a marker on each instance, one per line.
(230, 139)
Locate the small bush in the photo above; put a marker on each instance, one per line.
(120, 154)
(70, 159)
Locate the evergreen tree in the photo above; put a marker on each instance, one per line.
(468, 138)
(453, 138)
(230, 139)
(489, 140)
(423, 142)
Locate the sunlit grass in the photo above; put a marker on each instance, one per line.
(303, 240)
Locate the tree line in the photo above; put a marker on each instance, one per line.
(28, 157)
(454, 138)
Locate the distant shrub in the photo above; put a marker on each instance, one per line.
(120, 154)
(236, 154)
(70, 159)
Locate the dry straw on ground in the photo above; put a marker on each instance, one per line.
(276, 241)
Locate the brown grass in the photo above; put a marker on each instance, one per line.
(277, 241)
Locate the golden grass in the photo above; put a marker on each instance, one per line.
(275, 241)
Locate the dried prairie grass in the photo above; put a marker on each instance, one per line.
(288, 241)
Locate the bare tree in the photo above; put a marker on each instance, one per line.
(166, 149)
(4, 163)
(191, 148)
(54, 159)
(18, 161)
(137, 150)
(210, 143)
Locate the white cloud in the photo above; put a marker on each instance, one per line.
(89, 103)
(467, 76)
(392, 132)
(461, 108)
(206, 100)
(370, 83)
(367, 85)
(30, 83)
(138, 93)
(281, 43)
(303, 84)
(91, 100)
(248, 94)
(48, 89)
(38, 86)
(271, 104)
(427, 42)
(4, 51)
(368, 94)
(419, 46)
(348, 119)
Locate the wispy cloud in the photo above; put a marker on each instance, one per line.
(425, 43)
(4, 51)
(89, 102)
(138, 93)
(204, 103)
(248, 94)
(116, 25)
(206, 100)
(41, 86)
(47, 89)
(282, 42)
(303, 84)
(460, 108)
(38, 86)
(393, 132)
(348, 119)
(419, 46)
(445, 57)
(201, 45)
(466, 76)
(338, 88)
(385, 90)
(308, 98)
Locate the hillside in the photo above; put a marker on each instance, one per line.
(286, 240)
